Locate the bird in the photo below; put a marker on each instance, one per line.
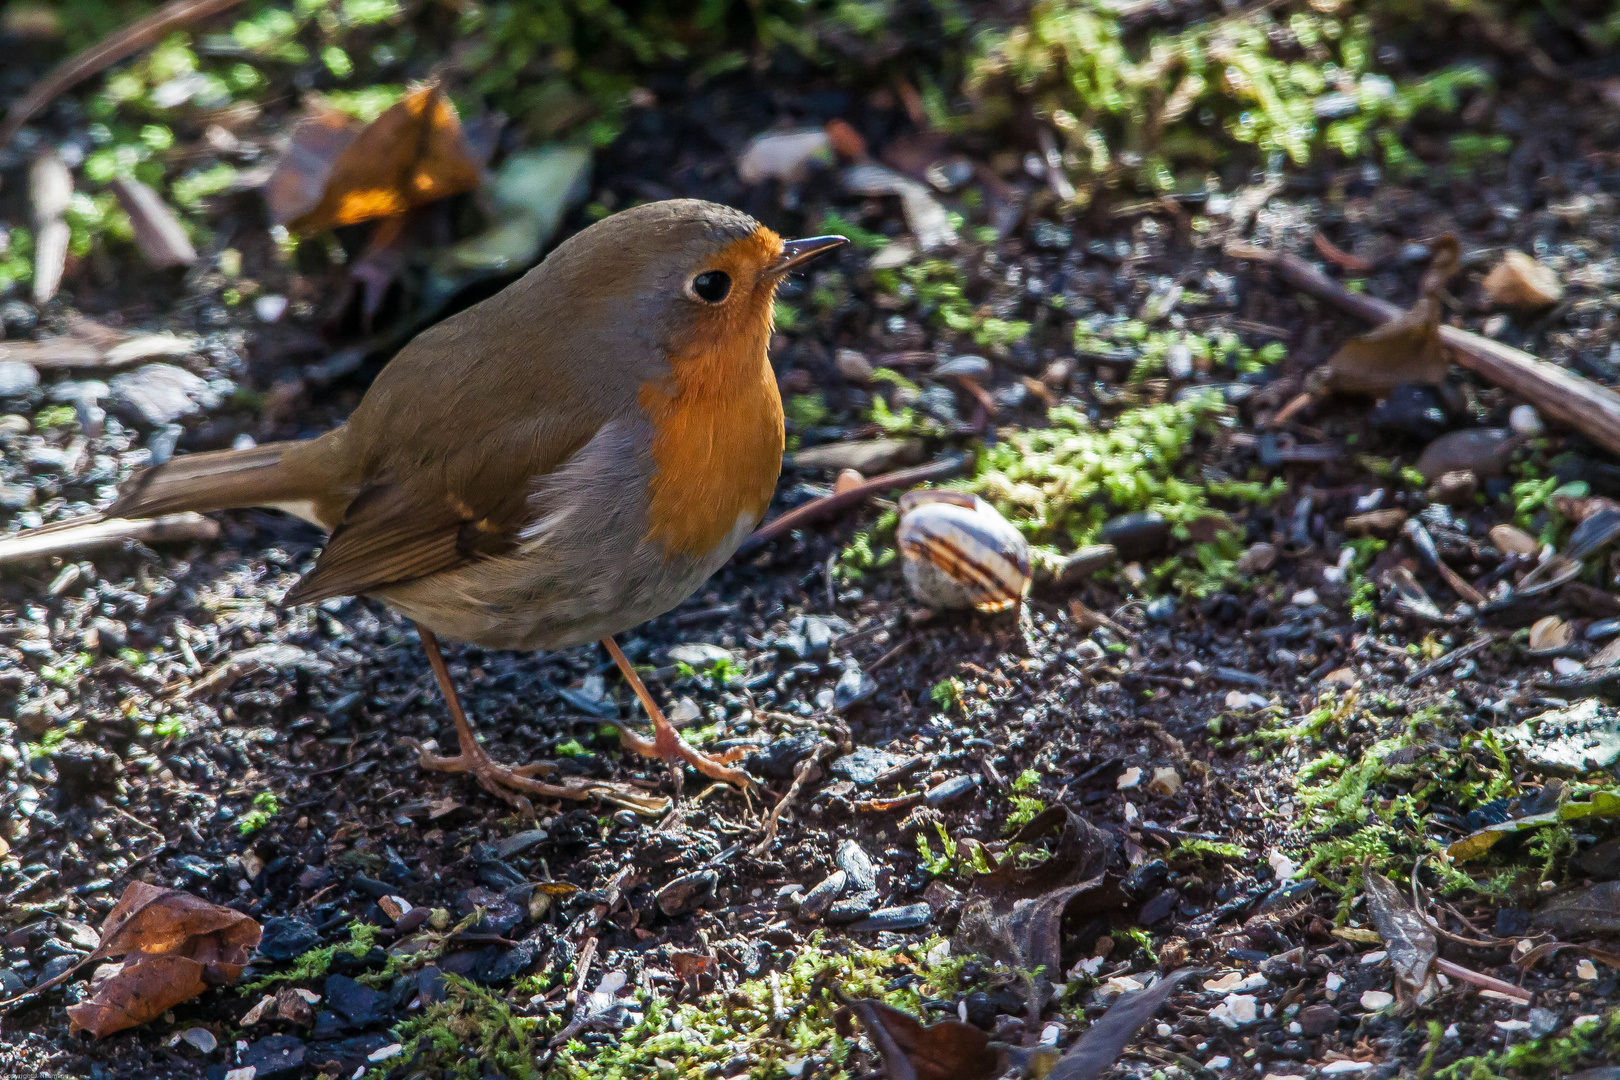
(552, 466)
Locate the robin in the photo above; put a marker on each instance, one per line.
(563, 461)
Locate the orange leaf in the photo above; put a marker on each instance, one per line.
(175, 946)
(413, 154)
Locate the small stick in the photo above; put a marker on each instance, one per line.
(771, 821)
(1462, 652)
(828, 505)
(72, 537)
(121, 43)
(1484, 982)
(1591, 409)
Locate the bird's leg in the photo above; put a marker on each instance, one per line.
(666, 742)
(511, 783)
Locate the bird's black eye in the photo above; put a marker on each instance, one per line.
(712, 286)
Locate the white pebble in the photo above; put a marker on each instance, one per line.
(1129, 778)
(1373, 1000)
(270, 308)
(1304, 598)
(1164, 1030)
(1374, 957)
(1219, 1062)
(1513, 1025)
(1281, 865)
(1524, 420)
(1333, 982)
(1340, 1068)
(1586, 970)
(1565, 665)
(1236, 1010)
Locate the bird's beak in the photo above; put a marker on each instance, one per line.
(795, 253)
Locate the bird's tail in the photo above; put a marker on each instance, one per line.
(222, 480)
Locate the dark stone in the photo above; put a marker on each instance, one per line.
(371, 886)
(780, 759)
(360, 1005)
(819, 899)
(576, 829)
(1161, 609)
(1159, 908)
(11, 983)
(518, 843)
(498, 963)
(275, 1057)
(948, 790)
(1601, 861)
(851, 908)
(53, 968)
(1411, 413)
(864, 765)
(853, 686)
(687, 892)
(501, 914)
(981, 1011)
(906, 917)
(1136, 535)
(1147, 879)
(328, 1025)
(343, 1056)
(853, 860)
(1318, 1019)
(494, 872)
(347, 964)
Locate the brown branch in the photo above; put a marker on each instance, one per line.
(106, 52)
(1591, 409)
(828, 505)
(72, 537)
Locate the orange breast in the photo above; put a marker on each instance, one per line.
(717, 431)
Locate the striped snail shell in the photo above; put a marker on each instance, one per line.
(958, 552)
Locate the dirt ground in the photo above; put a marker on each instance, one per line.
(166, 720)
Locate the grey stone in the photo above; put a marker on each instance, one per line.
(159, 394)
(16, 378)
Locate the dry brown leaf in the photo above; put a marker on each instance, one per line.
(947, 1050)
(174, 945)
(1406, 349)
(1519, 281)
(411, 155)
(299, 179)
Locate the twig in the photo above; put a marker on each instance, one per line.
(817, 509)
(71, 537)
(106, 52)
(1484, 982)
(1462, 652)
(1591, 409)
(771, 822)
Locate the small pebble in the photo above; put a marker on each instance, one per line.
(1526, 421)
(1374, 1000)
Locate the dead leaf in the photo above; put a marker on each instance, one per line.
(946, 1050)
(174, 945)
(159, 236)
(1026, 936)
(1519, 281)
(298, 181)
(1408, 938)
(411, 155)
(1594, 909)
(1406, 349)
(1105, 1040)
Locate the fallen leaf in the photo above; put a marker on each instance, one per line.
(174, 945)
(1406, 349)
(1106, 1039)
(1594, 909)
(411, 155)
(926, 217)
(159, 236)
(946, 1050)
(1410, 940)
(298, 181)
(1519, 281)
(1602, 804)
(1027, 935)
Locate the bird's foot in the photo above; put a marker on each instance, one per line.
(516, 784)
(668, 745)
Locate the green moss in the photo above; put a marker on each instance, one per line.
(947, 694)
(315, 963)
(1143, 107)
(265, 806)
